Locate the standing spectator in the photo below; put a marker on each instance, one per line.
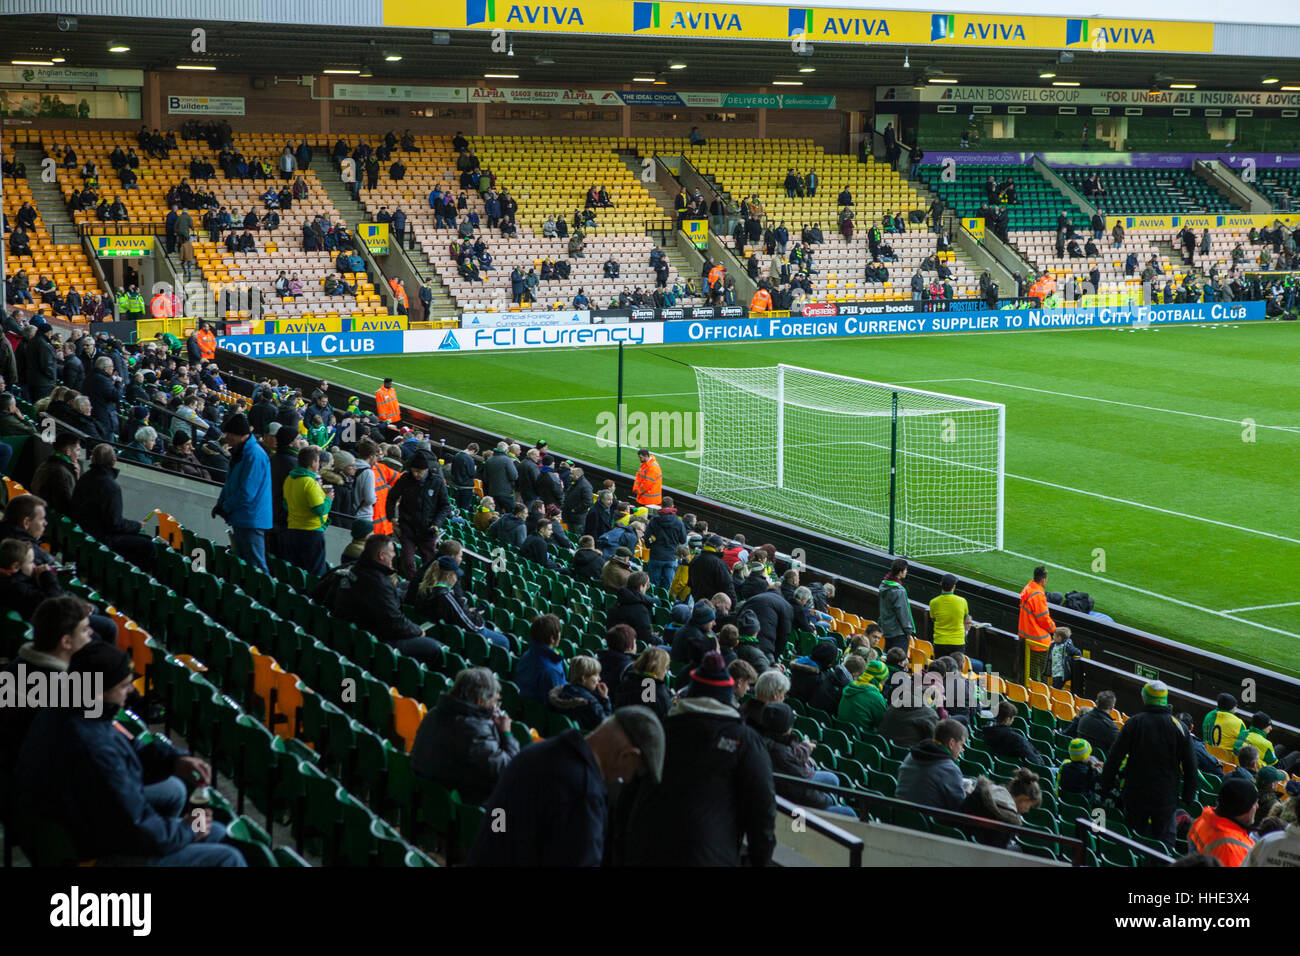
(500, 477)
(775, 619)
(557, 793)
(1061, 656)
(895, 609)
(709, 574)
(464, 468)
(929, 774)
(1223, 831)
(465, 742)
(577, 501)
(665, 532)
(97, 507)
(419, 505)
(950, 616)
(716, 788)
(1036, 624)
(1159, 751)
(245, 500)
(307, 507)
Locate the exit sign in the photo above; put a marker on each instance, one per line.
(1150, 673)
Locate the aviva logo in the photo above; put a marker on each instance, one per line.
(943, 26)
(485, 11)
(801, 21)
(645, 16)
(449, 341)
(1076, 31)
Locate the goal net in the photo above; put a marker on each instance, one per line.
(913, 472)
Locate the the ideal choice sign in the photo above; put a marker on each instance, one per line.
(304, 346)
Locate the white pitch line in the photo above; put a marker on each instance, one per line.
(1260, 607)
(588, 398)
(1024, 557)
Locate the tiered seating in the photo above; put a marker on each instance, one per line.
(1281, 187)
(66, 265)
(1039, 248)
(261, 268)
(1039, 202)
(747, 167)
(1152, 192)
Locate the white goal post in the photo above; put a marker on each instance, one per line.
(910, 471)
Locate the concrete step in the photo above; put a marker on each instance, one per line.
(48, 199)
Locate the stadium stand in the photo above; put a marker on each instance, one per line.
(1037, 205)
(1152, 192)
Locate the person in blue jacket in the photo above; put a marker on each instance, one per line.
(245, 500)
(78, 769)
(540, 667)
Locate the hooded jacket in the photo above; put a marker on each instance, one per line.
(645, 690)
(994, 802)
(908, 726)
(246, 495)
(577, 703)
(862, 704)
(632, 608)
(710, 575)
(613, 664)
(775, 619)
(716, 790)
(830, 688)
(665, 532)
(508, 530)
(460, 746)
(538, 669)
(895, 611)
(588, 563)
(929, 776)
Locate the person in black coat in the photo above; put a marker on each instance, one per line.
(465, 742)
(556, 793)
(364, 593)
(1160, 758)
(617, 655)
(644, 682)
(716, 789)
(419, 506)
(775, 619)
(97, 507)
(600, 519)
(791, 755)
(709, 574)
(1005, 741)
(577, 501)
(105, 390)
(464, 469)
(535, 548)
(40, 366)
(632, 606)
(585, 697)
(588, 560)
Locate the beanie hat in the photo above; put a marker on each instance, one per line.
(1155, 694)
(622, 552)
(1236, 797)
(1268, 776)
(825, 654)
(237, 425)
(713, 541)
(876, 672)
(710, 679)
(702, 613)
(776, 719)
(103, 659)
(362, 529)
(681, 613)
(747, 623)
(447, 563)
(419, 462)
(1080, 749)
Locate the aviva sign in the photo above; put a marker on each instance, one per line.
(521, 14)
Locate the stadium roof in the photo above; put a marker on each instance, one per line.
(579, 60)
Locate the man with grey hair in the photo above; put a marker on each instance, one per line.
(11, 420)
(770, 688)
(141, 449)
(600, 519)
(466, 741)
(104, 389)
(499, 478)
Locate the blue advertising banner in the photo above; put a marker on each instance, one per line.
(329, 343)
(676, 333)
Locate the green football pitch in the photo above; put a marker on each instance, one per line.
(1156, 469)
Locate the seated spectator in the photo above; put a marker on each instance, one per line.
(806, 672)
(645, 683)
(588, 561)
(181, 458)
(584, 698)
(834, 680)
(1003, 740)
(438, 601)
(540, 667)
(632, 606)
(791, 756)
(618, 654)
(618, 569)
(97, 507)
(1096, 725)
(141, 448)
(56, 477)
(1006, 804)
(365, 594)
(70, 754)
(909, 719)
(465, 742)
(1257, 736)
(1081, 774)
(862, 703)
(929, 775)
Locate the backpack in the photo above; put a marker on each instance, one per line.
(1079, 601)
(327, 591)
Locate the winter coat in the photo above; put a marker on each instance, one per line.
(367, 597)
(716, 790)
(577, 504)
(460, 746)
(441, 603)
(508, 530)
(54, 481)
(690, 644)
(709, 575)
(246, 495)
(40, 367)
(1009, 743)
(598, 522)
(993, 802)
(534, 549)
(612, 666)
(528, 473)
(88, 776)
(463, 470)
(804, 676)
(104, 394)
(895, 611)
(632, 691)
(775, 618)
(908, 726)
(23, 594)
(588, 563)
(419, 506)
(830, 687)
(499, 476)
(1098, 728)
(664, 533)
(97, 504)
(577, 703)
(1159, 752)
(862, 704)
(632, 608)
(555, 799)
(929, 776)
(538, 669)
(790, 756)
(615, 538)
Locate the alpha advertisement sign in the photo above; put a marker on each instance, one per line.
(561, 97)
(475, 320)
(1078, 96)
(211, 105)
